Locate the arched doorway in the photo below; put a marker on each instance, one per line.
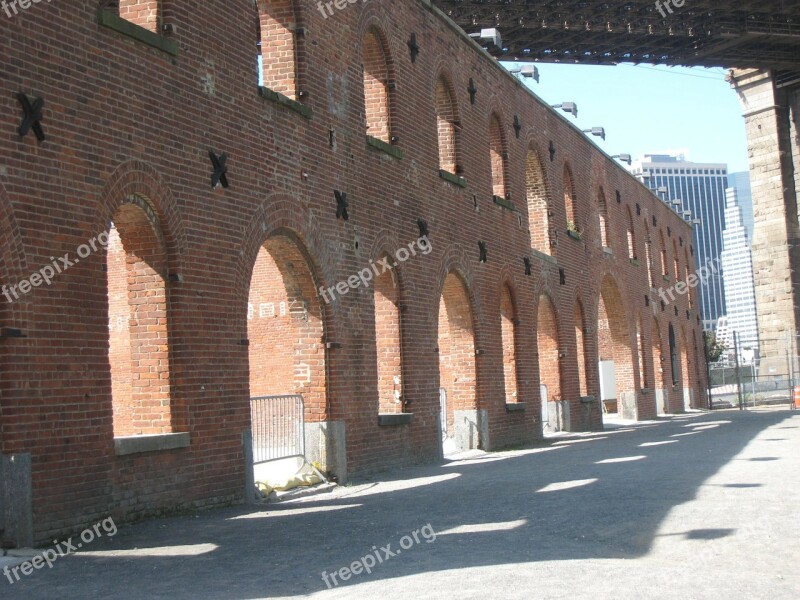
(460, 419)
(616, 358)
(554, 408)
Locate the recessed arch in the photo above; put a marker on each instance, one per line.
(538, 202)
(138, 321)
(604, 225)
(457, 368)
(615, 354)
(549, 353)
(581, 345)
(508, 333)
(570, 207)
(448, 125)
(657, 352)
(378, 84)
(498, 155)
(388, 340)
(631, 234)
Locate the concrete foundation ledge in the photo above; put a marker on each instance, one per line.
(389, 419)
(135, 444)
(516, 406)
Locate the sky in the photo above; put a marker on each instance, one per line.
(649, 109)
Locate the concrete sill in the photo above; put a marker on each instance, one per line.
(574, 234)
(665, 278)
(110, 19)
(635, 262)
(451, 178)
(516, 406)
(543, 256)
(587, 399)
(279, 98)
(393, 419)
(608, 251)
(379, 144)
(504, 202)
(136, 444)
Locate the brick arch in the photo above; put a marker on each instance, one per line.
(537, 193)
(616, 343)
(498, 155)
(685, 378)
(509, 334)
(283, 212)
(633, 252)
(582, 349)
(570, 197)
(657, 354)
(378, 77)
(548, 349)
(138, 179)
(388, 292)
(603, 220)
(448, 122)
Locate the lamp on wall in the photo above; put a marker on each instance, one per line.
(568, 107)
(529, 71)
(597, 132)
(626, 158)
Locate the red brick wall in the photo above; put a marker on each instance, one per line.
(145, 13)
(126, 120)
(547, 337)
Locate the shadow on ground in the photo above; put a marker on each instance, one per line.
(589, 496)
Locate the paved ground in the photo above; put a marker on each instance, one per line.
(695, 506)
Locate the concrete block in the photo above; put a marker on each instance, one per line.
(471, 429)
(627, 405)
(136, 444)
(17, 503)
(326, 445)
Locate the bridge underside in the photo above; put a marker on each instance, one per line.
(743, 34)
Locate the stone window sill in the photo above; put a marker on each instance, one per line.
(137, 444)
(379, 144)
(110, 19)
(574, 234)
(394, 419)
(543, 256)
(279, 98)
(516, 406)
(451, 178)
(504, 202)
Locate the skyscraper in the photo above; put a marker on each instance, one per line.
(741, 183)
(698, 191)
(737, 274)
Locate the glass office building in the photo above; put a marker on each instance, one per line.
(696, 190)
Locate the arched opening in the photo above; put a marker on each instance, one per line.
(388, 343)
(580, 346)
(447, 127)
(497, 154)
(686, 369)
(689, 288)
(285, 330)
(676, 262)
(631, 235)
(138, 350)
(673, 356)
(538, 205)
(661, 394)
(602, 215)
(377, 89)
(569, 201)
(648, 250)
(615, 355)
(276, 44)
(508, 330)
(554, 415)
(663, 251)
(640, 353)
(457, 374)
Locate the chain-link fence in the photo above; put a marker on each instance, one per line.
(751, 375)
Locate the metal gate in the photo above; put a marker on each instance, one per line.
(278, 424)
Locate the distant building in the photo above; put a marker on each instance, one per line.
(696, 190)
(737, 275)
(741, 183)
